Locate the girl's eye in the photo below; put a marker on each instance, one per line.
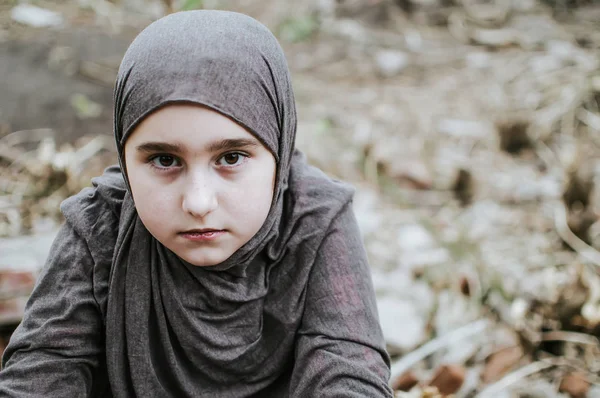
(231, 159)
(164, 162)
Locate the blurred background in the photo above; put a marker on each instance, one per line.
(471, 129)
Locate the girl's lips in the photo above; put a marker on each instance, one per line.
(203, 235)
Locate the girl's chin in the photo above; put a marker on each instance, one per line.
(206, 259)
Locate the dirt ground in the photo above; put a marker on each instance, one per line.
(36, 92)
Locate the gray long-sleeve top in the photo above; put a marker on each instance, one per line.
(58, 350)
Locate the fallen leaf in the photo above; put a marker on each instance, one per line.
(500, 362)
(575, 384)
(405, 382)
(448, 379)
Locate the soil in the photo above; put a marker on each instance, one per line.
(36, 93)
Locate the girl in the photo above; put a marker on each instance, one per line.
(213, 262)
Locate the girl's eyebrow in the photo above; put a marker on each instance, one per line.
(151, 147)
(217, 146)
(228, 144)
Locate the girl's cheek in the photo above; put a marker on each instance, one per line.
(156, 199)
(256, 194)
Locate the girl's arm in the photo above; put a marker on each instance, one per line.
(56, 351)
(340, 351)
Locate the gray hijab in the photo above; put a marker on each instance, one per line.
(226, 61)
(231, 330)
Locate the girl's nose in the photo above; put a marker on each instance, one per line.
(199, 198)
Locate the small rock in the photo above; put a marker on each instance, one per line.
(465, 128)
(405, 382)
(502, 37)
(448, 379)
(390, 62)
(419, 260)
(26, 253)
(519, 310)
(414, 237)
(561, 49)
(524, 5)
(478, 60)
(391, 283)
(413, 39)
(368, 211)
(37, 17)
(575, 384)
(403, 327)
(545, 64)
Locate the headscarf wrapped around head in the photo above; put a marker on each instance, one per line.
(225, 330)
(222, 60)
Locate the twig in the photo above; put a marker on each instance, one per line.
(572, 337)
(491, 16)
(8, 153)
(25, 160)
(414, 357)
(547, 155)
(25, 136)
(91, 149)
(5, 203)
(565, 233)
(516, 68)
(560, 216)
(589, 118)
(493, 390)
(569, 100)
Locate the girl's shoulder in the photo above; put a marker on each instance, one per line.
(312, 189)
(313, 201)
(94, 212)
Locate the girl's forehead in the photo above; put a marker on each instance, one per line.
(191, 128)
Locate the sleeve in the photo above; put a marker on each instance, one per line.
(340, 351)
(57, 350)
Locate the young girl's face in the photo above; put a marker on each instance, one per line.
(202, 184)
